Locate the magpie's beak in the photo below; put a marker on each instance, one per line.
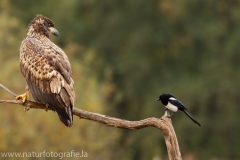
(158, 99)
(53, 31)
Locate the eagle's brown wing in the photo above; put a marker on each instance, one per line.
(48, 73)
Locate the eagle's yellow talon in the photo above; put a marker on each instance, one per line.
(22, 96)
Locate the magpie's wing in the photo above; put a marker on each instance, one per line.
(181, 106)
(177, 103)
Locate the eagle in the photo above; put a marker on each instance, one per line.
(47, 70)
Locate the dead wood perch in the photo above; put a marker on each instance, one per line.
(164, 124)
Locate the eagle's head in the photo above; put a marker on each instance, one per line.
(41, 25)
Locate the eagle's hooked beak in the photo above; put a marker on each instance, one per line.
(53, 31)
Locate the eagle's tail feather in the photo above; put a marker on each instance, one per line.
(65, 115)
(53, 100)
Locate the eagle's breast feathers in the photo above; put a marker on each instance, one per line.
(46, 66)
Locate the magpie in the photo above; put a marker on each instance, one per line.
(171, 103)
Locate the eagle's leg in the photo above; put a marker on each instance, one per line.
(24, 96)
(47, 107)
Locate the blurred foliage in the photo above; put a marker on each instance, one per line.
(124, 54)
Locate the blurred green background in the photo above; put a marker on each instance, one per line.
(124, 54)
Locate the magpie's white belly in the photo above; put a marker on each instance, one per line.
(171, 107)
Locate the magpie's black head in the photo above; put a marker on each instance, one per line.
(164, 98)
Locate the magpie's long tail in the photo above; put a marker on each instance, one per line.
(186, 112)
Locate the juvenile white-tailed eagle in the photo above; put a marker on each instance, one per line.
(47, 69)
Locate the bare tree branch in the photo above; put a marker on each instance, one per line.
(6, 89)
(164, 124)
